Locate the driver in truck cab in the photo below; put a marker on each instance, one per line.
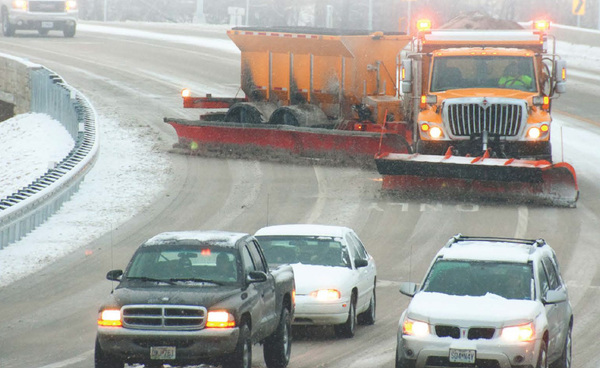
(513, 77)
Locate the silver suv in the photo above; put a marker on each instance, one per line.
(41, 15)
(488, 302)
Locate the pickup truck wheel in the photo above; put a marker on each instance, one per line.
(278, 346)
(368, 316)
(104, 360)
(43, 32)
(242, 356)
(348, 328)
(7, 29)
(69, 31)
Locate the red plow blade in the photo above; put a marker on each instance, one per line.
(480, 178)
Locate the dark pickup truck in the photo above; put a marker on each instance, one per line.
(194, 297)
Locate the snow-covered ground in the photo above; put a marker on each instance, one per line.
(109, 195)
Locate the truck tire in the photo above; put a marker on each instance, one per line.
(348, 328)
(278, 346)
(242, 356)
(104, 360)
(368, 316)
(7, 29)
(70, 31)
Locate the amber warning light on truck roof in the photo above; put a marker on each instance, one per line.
(423, 25)
(541, 25)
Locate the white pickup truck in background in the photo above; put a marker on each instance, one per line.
(41, 15)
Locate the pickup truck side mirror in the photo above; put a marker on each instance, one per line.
(408, 288)
(361, 263)
(256, 276)
(114, 275)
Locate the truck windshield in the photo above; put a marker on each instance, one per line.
(194, 265)
(457, 72)
(310, 250)
(477, 278)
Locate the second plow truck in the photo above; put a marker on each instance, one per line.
(472, 117)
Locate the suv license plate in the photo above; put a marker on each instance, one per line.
(47, 24)
(162, 352)
(462, 356)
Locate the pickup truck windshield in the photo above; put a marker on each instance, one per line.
(310, 250)
(191, 265)
(477, 278)
(508, 72)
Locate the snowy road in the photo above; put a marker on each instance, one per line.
(134, 81)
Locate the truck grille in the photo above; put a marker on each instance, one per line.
(47, 6)
(474, 333)
(503, 119)
(165, 317)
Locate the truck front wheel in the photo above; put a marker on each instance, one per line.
(278, 346)
(242, 356)
(104, 360)
(7, 29)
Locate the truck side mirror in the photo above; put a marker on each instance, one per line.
(555, 296)
(256, 276)
(114, 275)
(406, 76)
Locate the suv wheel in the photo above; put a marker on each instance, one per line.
(242, 356)
(103, 360)
(348, 328)
(7, 29)
(565, 358)
(278, 346)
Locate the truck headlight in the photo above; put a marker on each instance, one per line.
(110, 318)
(519, 333)
(71, 5)
(415, 328)
(19, 4)
(538, 132)
(220, 319)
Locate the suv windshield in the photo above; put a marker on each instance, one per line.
(310, 250)
(184, 264)
(478, 278)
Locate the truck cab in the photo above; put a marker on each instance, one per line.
(473, 91)
(41, 15)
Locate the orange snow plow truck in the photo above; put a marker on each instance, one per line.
(471, 117)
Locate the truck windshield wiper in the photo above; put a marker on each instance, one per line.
(144, 278)
(194, 279)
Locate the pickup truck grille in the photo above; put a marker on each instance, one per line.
(164, 317)
(503, 119)
(47, 6)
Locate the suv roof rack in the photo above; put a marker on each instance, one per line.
(460, 238)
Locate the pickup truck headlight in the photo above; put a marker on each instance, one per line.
(326, 294)
(19, 4)
(110, 318)
(415, 328)
(220, 319)
(519, 333)
(71, 5)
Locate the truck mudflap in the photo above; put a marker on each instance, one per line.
(479, 178)
(270, 142)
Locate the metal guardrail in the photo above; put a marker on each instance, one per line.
(24, 210)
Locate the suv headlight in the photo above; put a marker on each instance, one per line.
(415, 328)
(519, 333)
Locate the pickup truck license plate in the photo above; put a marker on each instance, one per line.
(162, 352)
(462, 356)
(47, 24)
